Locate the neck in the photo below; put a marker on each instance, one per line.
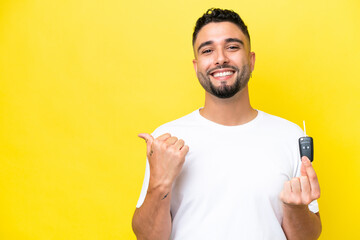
(230, 111)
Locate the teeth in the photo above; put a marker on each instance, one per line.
(222, 74)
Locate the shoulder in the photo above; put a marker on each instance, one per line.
(280, 125)
(174, 126)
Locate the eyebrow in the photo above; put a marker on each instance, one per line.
(204, 44)
(228, 40)
(234, 40)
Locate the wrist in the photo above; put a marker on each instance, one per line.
(158, 187)
(295, 209)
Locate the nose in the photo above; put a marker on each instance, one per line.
(221, 58)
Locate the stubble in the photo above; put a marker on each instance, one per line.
(225, 90)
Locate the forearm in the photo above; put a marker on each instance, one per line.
(152, 220)
(300, 223)
(166, 156)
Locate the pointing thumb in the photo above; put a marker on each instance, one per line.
(148, 139)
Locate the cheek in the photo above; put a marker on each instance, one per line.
(204, 64)
(237, 60)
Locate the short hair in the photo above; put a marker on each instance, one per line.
(219, 15)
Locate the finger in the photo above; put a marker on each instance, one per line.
(286, 192)
(164, 137)
(184, 150)
(148, 139)
(303, 168)
(305, 189)
(179, 144)
(311, 174)
(295, 186)
(287, 187)
(171, 140)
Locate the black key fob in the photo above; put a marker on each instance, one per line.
(306, 146)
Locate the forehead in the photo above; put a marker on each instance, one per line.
(218, 32)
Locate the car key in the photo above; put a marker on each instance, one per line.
(306, 146)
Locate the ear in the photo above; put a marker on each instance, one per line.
(195, 65)
(252, 61)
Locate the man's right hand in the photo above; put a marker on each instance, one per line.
(166, 155)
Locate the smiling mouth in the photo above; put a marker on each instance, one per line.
(222, 74)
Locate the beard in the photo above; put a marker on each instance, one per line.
(224, 90)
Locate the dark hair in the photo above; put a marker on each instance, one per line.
(219, 15)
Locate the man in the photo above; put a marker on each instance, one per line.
(239, 176)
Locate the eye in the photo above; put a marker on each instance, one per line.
(206, 51)
(233, 47)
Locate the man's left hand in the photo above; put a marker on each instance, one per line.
(301, 190)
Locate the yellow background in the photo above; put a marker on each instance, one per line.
(80, 79)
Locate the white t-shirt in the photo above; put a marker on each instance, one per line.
(232, 177)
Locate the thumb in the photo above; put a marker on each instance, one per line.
(148, 139)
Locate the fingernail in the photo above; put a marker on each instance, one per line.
(306, 161)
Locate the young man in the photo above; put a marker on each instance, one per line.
(240, 175)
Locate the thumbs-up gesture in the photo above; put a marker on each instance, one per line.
(166, 155)
(304, 189)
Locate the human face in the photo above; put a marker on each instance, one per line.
(223, 61)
